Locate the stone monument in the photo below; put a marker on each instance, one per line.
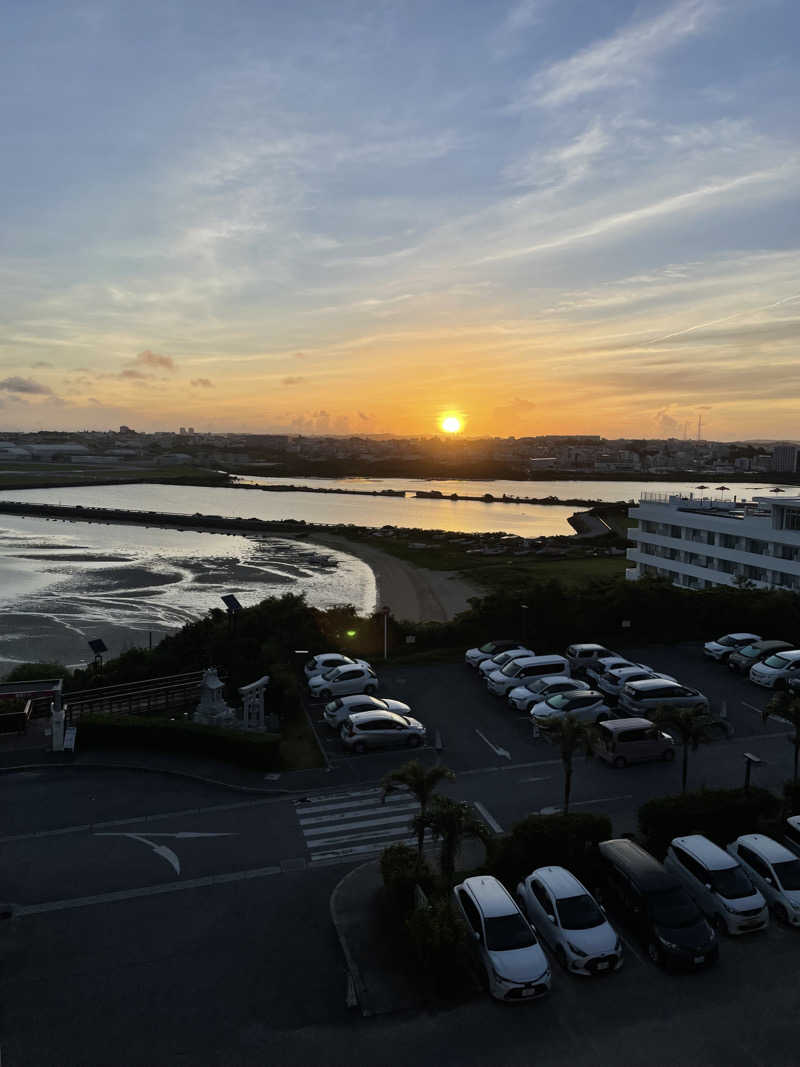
(212, 709)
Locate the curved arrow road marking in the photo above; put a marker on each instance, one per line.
(163, 850)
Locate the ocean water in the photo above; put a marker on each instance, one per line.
(63, 584)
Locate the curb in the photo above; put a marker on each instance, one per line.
(352, 967)
(147, 770)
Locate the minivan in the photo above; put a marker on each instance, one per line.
(718, 883)
(623, 741)
(638, 697)
(656, 906)
(742, 659)
(518, 671)
(582, 655)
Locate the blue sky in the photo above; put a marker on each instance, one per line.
(315, 217)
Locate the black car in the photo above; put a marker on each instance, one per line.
(655, 905)
(742, 659)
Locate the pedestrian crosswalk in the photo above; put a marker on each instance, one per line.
(340, 825)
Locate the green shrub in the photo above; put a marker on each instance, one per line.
(402, 870)
(259, 751)
(719, 814)
(30, 672)
(791, 796)
(549, 840)
(439, 942)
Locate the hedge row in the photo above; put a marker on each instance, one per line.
(720, 814)
(259, 751)
(549, 840)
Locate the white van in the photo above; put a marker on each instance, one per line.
(519, 671)
(718, 883)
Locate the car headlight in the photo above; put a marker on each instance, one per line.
(501, 978)
(795, 904)
(618, 946)
(669, 944)
(578, 951)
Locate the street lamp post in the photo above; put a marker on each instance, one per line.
(524, 621)
(750, 761)
(386, 612)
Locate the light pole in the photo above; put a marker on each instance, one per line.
(524, 621)
(385, 611)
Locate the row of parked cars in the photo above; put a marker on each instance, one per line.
(768, 663)
(363, 720)
(675, 910)
(547, 687)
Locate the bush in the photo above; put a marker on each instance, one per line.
(31, 672)
(402, 869)
(791, 796)
(439, 941)
(720, 814)
(259, 751)
(549, 840)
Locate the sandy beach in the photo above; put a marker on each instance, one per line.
(414, 594)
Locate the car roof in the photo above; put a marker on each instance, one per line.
(739, 636)
(766, 847)
(355, 698)
(551, 679)
(492, 896)
(359, 717)
(646, 684)
(616, 725)
(582, 693)
(589, 645)
(768, 646)
(638, 864)
(793, 653)
(560, 881)
(324, 655)
(710, 855)
(794, 821)
(526, 661)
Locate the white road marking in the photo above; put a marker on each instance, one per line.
(523, 780)
(580, 803)
(495, 748)
(146, 891)
(337, 825)
(758, 712)
(488, 818)
(162, 850)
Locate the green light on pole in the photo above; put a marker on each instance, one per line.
(351, 633)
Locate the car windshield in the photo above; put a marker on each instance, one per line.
(788, 873)
(579, 913)
(726, 640)
(778, 661)
(558, 700)
(749, 651)
(673, 908)
(328, 675)
(731, 883)
(334, 705)
(506, 932)
(490, 646)
(512, 668)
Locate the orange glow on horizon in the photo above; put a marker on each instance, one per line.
(451, 424)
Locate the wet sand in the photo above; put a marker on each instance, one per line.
(415, 594)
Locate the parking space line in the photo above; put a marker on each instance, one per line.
(488, 818)
(629, 946)
(579, 803)
(759, 712)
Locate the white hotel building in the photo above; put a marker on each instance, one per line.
(700, 542)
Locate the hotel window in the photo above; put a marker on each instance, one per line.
(758, 548)
(727, 541)
(791, 520)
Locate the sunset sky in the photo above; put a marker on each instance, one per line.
(548, 216)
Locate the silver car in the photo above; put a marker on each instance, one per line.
(381, 729)
(336, 711)
(638, 698)
(525, 696)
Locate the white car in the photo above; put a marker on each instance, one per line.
(490, 665)
(718, 883)
(342, 681)
(506, 944)
(723, 646)
(570, 920)
(587, 705)
(473, 657)
(523, 697)
(517, 671)
(326, 661)
(612, 681)
(600, 667)
(777, 671)
(337, 710)
(774, 870)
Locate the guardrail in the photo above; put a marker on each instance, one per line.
(16, 720)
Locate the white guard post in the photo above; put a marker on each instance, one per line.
(57, 723)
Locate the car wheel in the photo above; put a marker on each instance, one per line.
(414, 741)
(620, 762)
(780, 684)
(781, 914)
(371, 690)
(654, 952)
(359, 747)
(325, 694)
(669, 755)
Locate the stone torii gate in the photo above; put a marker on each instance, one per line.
(253, 706)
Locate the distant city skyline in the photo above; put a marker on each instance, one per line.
(535, 217)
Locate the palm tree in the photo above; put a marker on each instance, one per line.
(451, 821)
(692, 725)
(572, 736)
(421, 782)
(786, 704)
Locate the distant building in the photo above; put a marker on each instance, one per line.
(784, 458)
(698, 542)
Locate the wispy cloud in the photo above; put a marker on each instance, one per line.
(202, 383)
(621, 59)
(25, 386)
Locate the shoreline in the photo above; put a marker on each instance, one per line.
(413, 594)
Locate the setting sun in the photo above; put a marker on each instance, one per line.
(451, 424)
